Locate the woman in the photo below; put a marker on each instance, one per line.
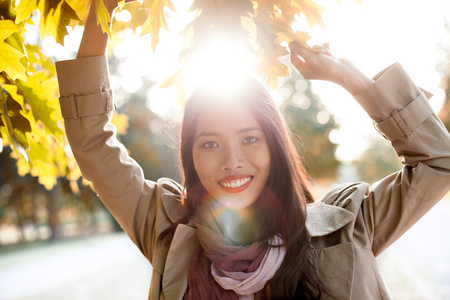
(244, 225)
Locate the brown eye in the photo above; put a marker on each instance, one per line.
(249, 140)
(210, 144)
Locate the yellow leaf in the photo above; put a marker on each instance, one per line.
(312, 12)
(285, 33)
(81, 9)
(177, 80)
(39, 94)
(120, 121)
(47, 159)
(24, 9)
(269, 51)
(274, 28)
(156, 20)
(9, 57)
(53, 16)
(23, 167)
(17, 124)
(45, 173)
(103, 16)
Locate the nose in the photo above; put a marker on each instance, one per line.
(232, 158)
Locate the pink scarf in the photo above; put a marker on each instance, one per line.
(222, 270)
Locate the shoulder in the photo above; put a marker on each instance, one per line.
(170, 193)
(337, 208)
(346, 195)
(169, 186)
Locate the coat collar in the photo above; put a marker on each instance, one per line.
(323, 219)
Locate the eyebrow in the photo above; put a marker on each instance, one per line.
(249, 129)
(208, 133)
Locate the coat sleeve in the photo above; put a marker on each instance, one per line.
(87, 104)
(401, 113)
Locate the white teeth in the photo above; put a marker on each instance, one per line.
(236, 183)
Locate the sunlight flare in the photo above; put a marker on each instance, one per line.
(221, 66)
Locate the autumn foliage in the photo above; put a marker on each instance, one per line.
(30, 119)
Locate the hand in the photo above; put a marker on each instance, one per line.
(323, 65)
(94, 41)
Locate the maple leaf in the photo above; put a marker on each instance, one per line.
(24, 9)
(156, 20)
(312, 12)
(177, 79)
(44, 105)
(9, 57)
(16, 124)
(269, 51)
(81, 9)
(53, 16)
(103, 16)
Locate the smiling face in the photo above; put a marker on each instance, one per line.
(231, 154)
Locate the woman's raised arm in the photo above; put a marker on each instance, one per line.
(402, 114)
(324, 66)
(87, 104)
(94, 41)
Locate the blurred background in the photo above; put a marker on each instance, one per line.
(63, 245)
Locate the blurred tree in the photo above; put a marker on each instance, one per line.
(378, 161)
(444, 69)
(151, 140)
(311, 125)
(38, 213)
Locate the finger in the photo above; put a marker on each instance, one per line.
(327, 45)
(323, 50)
(296, 61)
(320, 49)
(300, 50)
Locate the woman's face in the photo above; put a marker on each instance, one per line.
(231, 154)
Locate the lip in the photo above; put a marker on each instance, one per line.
(234, 178)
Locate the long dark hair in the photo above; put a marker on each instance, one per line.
(282, 205)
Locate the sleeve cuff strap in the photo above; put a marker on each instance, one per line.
(402, 123)
(79, 106)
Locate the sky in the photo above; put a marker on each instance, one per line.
(373, 36)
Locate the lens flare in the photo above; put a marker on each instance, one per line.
(237, 225)
(220, 66)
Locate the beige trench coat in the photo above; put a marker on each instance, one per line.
(350, 226)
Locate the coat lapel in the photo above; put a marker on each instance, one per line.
(182, 248)
(323, 219)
